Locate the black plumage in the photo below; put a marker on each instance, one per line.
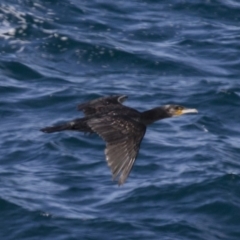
(121, 127)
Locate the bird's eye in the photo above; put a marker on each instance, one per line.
(177, 108)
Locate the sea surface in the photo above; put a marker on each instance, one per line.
(185, 184)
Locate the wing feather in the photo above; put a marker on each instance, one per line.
(123, 137)
(102, 104)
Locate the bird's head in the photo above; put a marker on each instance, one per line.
(177, 110)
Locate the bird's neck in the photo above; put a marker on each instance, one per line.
(153, 115)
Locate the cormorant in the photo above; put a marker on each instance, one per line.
(121, 127)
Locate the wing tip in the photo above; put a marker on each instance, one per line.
(121, 182)
(122, 98)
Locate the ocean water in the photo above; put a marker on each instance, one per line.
(57, 54)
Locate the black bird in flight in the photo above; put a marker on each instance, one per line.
(121, 127)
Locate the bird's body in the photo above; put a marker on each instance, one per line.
(121, 127)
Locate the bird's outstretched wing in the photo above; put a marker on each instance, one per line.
(102, 104)
(123, 137)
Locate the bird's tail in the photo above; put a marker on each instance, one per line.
(55, 128)
(75, 125)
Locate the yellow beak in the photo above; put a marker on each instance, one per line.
(188, 110)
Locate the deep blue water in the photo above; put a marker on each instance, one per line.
(185, 183)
